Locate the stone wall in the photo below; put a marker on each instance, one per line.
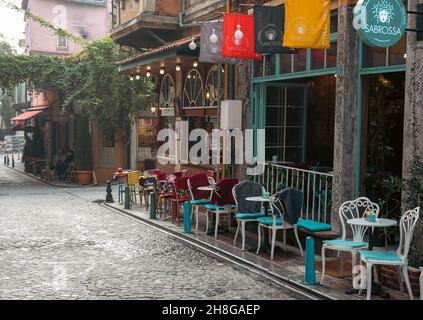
(345, 144)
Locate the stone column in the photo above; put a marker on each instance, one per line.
(413, 109)
(134, 144)
(345, 144)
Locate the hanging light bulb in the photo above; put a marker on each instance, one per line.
(238, 35)
(162, 70)
(178, 67)
(213, 37)
(137, 77)
(195, 63)
(131, 78)
(192, 45)
(148, 74)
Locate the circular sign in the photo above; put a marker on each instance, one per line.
(380, 23)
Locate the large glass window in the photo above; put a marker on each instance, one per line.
(285, 123)
(146, 138)
(383, 57)
(193, 90)
(167, 92)
(214, 86)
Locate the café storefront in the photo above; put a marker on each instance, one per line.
(341, 110)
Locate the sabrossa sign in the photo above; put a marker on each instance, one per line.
(380, 23)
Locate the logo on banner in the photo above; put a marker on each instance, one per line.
(380, 23)
(269, 36)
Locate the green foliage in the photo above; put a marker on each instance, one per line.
(87, 81)
(6, 111)
(5, 47)
(83, 156)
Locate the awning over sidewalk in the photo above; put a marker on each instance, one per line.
(167, 55)
(23, 117)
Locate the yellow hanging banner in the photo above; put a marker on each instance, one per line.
(307, 24)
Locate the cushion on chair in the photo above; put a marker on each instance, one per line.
(200, 202)
(345, 243)
(268, 221)
(313, 225)
(242, 216)
(212, 207)
(380, 255)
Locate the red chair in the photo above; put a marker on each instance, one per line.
(180, 195)
(180, 174)
(222, 202)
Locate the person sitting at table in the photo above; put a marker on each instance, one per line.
(61, 168)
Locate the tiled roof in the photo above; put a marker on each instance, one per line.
(168, 46)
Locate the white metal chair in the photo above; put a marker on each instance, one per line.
(246, 211)
(277, 222)
(195, 181)
(397, 258)
(350, 210)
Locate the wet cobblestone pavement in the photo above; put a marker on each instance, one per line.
(57, 243)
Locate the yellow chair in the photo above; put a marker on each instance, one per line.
(134, 186)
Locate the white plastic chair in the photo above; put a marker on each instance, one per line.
(196, 206)
(350, 210)
(397, 258)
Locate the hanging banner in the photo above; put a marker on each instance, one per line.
(380, 23)
(238, 36)
(307, 24)
(211, 44)
(269, 25)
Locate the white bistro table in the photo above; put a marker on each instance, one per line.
(379, 223)
(265, 202)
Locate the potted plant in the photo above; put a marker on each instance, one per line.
(83, 155)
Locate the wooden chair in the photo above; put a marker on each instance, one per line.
(70, 174)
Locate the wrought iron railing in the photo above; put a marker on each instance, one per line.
(316, 187)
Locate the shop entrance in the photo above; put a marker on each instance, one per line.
(382, 132)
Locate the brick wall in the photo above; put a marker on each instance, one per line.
(388, 278)
(168, 7)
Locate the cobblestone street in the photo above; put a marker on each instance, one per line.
(58, 243)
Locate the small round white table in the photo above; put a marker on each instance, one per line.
(265, 202)
(379, 223)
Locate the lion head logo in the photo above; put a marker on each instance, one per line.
(383, 11)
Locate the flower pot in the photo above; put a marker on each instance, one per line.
(84, 177)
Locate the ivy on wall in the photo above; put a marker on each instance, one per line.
(87, 81)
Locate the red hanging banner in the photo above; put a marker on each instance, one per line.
(238, 36)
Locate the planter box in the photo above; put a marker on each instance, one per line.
(389, 278)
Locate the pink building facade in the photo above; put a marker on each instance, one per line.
(88, 19)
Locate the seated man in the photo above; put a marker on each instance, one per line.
(63, 167)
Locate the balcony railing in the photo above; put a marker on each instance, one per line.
(316, 186)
